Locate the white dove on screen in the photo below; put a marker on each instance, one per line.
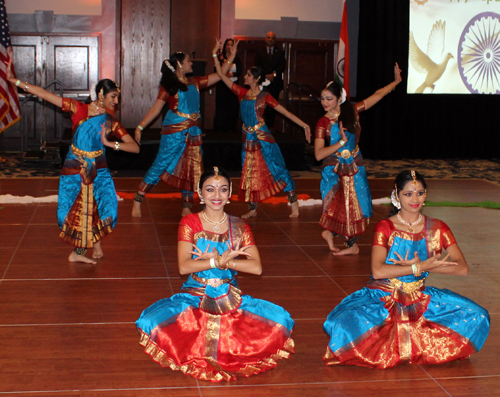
(434, 62)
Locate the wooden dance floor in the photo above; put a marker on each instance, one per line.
(68, 329)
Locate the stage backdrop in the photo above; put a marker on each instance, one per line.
(405, 125)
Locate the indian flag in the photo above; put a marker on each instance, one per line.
(342, 66)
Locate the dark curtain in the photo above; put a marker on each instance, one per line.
(416, 125)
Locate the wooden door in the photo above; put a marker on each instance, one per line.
(73, 61)
(310, 66)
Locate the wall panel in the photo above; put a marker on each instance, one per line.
(145, 37)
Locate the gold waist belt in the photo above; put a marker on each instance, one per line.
(213, 282)
(83, 153)
(256, 127)
(347, 153)
(407, 287)
(192, 116)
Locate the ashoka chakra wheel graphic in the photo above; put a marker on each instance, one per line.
(479, 54)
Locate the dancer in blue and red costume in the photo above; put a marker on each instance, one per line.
(264, 171)
(87, 205)
(179, 161)
(210, 330)
(396, 319)
(347, 202)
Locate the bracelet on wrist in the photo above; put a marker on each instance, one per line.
(117, 146)
(140, 127)
(26, 86)
(214, 55)
(18, 82)
(342, 143)
(212, 263)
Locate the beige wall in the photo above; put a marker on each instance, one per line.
(65, 7)
(304, 10)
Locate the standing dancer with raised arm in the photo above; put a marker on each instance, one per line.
(347, 202)
(179, 162)
(264, 171)
(87, 205)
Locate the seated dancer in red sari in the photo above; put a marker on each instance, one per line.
(210, 330)
(396, 319)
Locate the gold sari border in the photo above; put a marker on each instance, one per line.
(160, 356)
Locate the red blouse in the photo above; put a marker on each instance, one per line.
(80, 113)
(199, 82)
(435, 231)
(190, 225)
(242, 92)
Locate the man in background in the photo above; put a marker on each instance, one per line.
(272, 61)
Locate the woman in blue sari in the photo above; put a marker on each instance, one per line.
(396, 319)
(264, 171)
(179, 161)
(347, 202)
(87, 204)
(210, 330)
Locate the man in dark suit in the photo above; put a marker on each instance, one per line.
(272, 61)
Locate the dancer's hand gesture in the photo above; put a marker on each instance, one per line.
(200, 255)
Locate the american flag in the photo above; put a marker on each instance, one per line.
(9, 101)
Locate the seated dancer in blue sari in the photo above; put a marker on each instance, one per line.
(347, 202)
(179, 162)
(396, 319)
(264, 171)
(210, 330)
(87, 203)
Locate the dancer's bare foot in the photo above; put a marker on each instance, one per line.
(295, 209)
(354, 250)
(328, 236)
(136, 209)
(73, 257)
(186, 211)
(250, 214)
(97, 251)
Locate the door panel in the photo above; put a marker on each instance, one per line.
(39, 60)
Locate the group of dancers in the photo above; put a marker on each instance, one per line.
(210, 330)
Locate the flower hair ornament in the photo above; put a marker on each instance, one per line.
(343, 96)
(265, 83)
(395, 199)
(169, 65)
(117, 86)
(93, 94)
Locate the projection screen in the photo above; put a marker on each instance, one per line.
(454, 47)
